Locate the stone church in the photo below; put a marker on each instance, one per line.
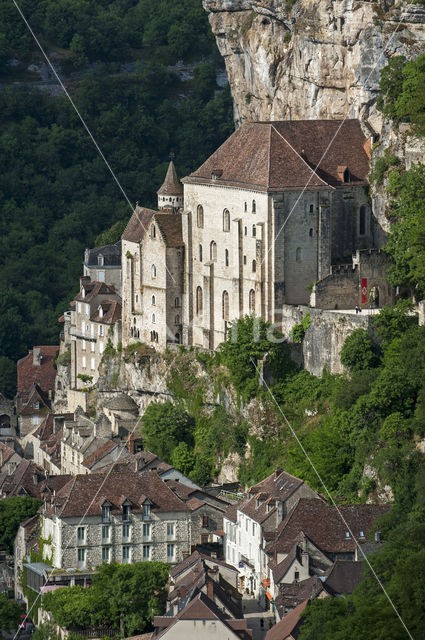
(254, 228)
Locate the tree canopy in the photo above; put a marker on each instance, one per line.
(13, 511)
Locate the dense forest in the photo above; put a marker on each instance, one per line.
(56, 193)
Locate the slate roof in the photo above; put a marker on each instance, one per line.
(85, 494)
(170, 226)
(45, 430)
(294, 593)
(122, 402)
(281, 155)
(22, 480)
(343, 577)
(44, 374)
(194, 557)
(171, 185)
(6, 453)
(111, 255)
(100, 453)
(323, 524)
(288, 626)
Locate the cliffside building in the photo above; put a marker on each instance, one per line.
(271, 213)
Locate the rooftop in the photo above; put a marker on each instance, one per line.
(171, 185)
(37, 368)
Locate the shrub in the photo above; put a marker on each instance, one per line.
(358, 352)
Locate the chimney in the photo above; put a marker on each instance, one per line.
(131, 443)
(36, 357)
(210, 589)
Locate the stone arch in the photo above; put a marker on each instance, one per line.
(199, 300)
(225, 305)
(200, 216)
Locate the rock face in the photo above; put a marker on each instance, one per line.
(311, 58)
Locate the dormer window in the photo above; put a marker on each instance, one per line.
(106, 513)
(36, 405)
(153, 231)
(100, 260)
(343, 173)
(126, 510)
(146, 511)
(100, 311)
(361, 534)
(216, 173)
(347, 534)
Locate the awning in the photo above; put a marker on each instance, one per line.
(269, 595)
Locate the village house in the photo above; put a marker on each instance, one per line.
(227, 572)
(248, 522)
(95, 319)
(36, 384)
(7, 419)
(122, 517)
(46, 442)
(103, 264)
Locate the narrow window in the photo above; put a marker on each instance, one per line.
(100, 261)
(146, 511)
(245, 231)
(199, 300)
(170, 551)
(254, 230)
(153, 301)
(146, 552)
(244, 259)
(213, 251)
(177, 320)
(252, 301)
(153, 231)
(225, 305)
(226, 257)
(200, 216)
(310, 233)
(126, 554)
(254, 266)
(254, 207)
(200, 253)
(153, 318)
(311, 208)
(81, 534)
(362, 220)
(106, 513)
(226, 220)
(296, 575)
(126, 510)
(299, 254)
(170, 530)
(153, 271)
(126, 531)
(105, 554)
(176, 302)
(146, 531)
(347, 175)
(81, 556)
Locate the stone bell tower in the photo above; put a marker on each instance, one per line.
(170, 194)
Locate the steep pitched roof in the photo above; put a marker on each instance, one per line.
(138, 224)
(6, 453)
(92, 288)
(343, 577)
(112, 311)
(43, 374)
(282, 155)
(194, 557)
(288, 626)
(111, 255)
(170, 225)
(99, 454)
(294, 593)
(82, 495)
(171, 185)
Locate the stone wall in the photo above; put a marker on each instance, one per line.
(325, 336)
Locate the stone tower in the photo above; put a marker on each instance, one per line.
(170, 194)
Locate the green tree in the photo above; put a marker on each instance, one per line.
(183, 458)
(111, 235)
(10, 614)
(13, 511)
(7, 377)
(164, 426)
(358, 351)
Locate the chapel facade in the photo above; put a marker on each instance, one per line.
(254, 228)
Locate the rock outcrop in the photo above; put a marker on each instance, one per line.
(312, 58)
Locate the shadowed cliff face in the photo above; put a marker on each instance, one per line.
(314, 59)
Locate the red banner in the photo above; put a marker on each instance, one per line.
(364, 290)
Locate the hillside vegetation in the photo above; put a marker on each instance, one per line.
(56, 194)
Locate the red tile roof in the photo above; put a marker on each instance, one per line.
(92, 289)
(100, 453)
(43, 374)
(112, 311)
(281, 155)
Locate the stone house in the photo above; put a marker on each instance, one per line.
(46, 442)
(9, 459)
(95, 319)
(36, 384)
(226, 571)
(103, 264)
(124, 517)
(7, 419)
(249, 522)
(289, 627)
(25, 540)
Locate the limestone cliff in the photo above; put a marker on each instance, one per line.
(312, 58)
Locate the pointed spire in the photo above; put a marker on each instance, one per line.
(172, 185)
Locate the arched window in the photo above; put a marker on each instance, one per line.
(200, 253)
(245, 231)
(131, 331)
(254, 266)
(225, 305)
(153, 231)
(226, 257)
(176, 302)
(299, 254)
(200, 216)
(254, 207)
(252, 301)
(254, 230)
(347, 175)
(226, 220)
(246, 206)
(153, 271)
(134, 320)
(177, 320)
(199, 300)
(310, 233)
(213, 251)
(153, 300)
(362, 221)
(153, 318)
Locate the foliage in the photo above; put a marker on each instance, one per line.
(46, 631)
(164, 426)
(111, 235)
(393, 321)
(7, 376)
(382, 164)
(358, 352)
(406, 243)
(63, 358)
(248, 341)
(402, 97)
(298, 330)
(10, 614)
(13, 511)
(125, 597)
(84, 377)
(182, 458)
